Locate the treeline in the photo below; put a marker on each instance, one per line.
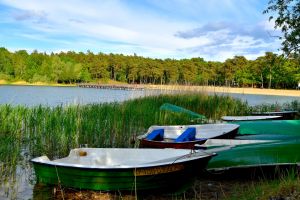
(268, 71)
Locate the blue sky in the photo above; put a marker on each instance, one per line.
(211, 29)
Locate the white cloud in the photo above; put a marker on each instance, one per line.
(117, 26)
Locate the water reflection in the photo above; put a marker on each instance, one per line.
(54, 96)
(16, 174)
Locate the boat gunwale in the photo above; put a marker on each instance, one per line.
(250, 118)
(198, 154)
(276, 112)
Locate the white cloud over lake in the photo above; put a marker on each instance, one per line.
(214, 30)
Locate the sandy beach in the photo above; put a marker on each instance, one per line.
(225, 90)
(279, 92)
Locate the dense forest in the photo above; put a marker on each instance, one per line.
(268, 71)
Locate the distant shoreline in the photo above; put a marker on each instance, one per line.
(208, 89)
(24, 83)
(226, 90)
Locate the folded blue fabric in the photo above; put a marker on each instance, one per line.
(156, 135)
(188, 135)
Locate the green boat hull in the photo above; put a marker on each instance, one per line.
(283, 151)
(272, 127)
(160, 178)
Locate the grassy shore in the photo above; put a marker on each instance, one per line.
(285, 187)
(21, 83)
(24, 83)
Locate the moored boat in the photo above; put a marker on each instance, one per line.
(282, 142)
(251, 118)
(122, 169)
(286, 114)
(255, 153)
(270, 128)
(185, 136)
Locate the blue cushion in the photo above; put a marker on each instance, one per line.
(188, 135)
(156, 135)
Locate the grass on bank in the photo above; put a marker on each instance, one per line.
(22, 83)
(286, 186)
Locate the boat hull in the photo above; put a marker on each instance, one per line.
(273, 127)
(275, 153)
(285, 135)
(144, 143)
(228, 135)
(156, 177)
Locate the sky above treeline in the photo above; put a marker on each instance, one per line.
(212, 29)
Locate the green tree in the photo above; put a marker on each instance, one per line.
(287, 19)
(285, 74)
(6, 65)
(19, 63)
(170, 73)
(56, 68)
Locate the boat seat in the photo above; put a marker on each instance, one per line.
(188, 135)
(156, 135)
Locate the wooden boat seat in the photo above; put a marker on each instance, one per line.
(156, 135)
(188, 135)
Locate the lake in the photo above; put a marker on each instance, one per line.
(53, 96)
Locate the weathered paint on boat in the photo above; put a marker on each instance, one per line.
(203, 132)
(152, 173)
(283, 152)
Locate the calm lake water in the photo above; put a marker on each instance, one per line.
(53, 96)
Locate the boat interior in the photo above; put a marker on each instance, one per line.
(201, 131)
(118, 158)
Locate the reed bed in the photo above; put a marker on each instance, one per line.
(54, 131)
(292, 106)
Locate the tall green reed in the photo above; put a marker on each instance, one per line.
(293, 105)
(54, 131)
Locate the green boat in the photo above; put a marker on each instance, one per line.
(272, 127)
(114, 169)
(281, 146)
(252, 151)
